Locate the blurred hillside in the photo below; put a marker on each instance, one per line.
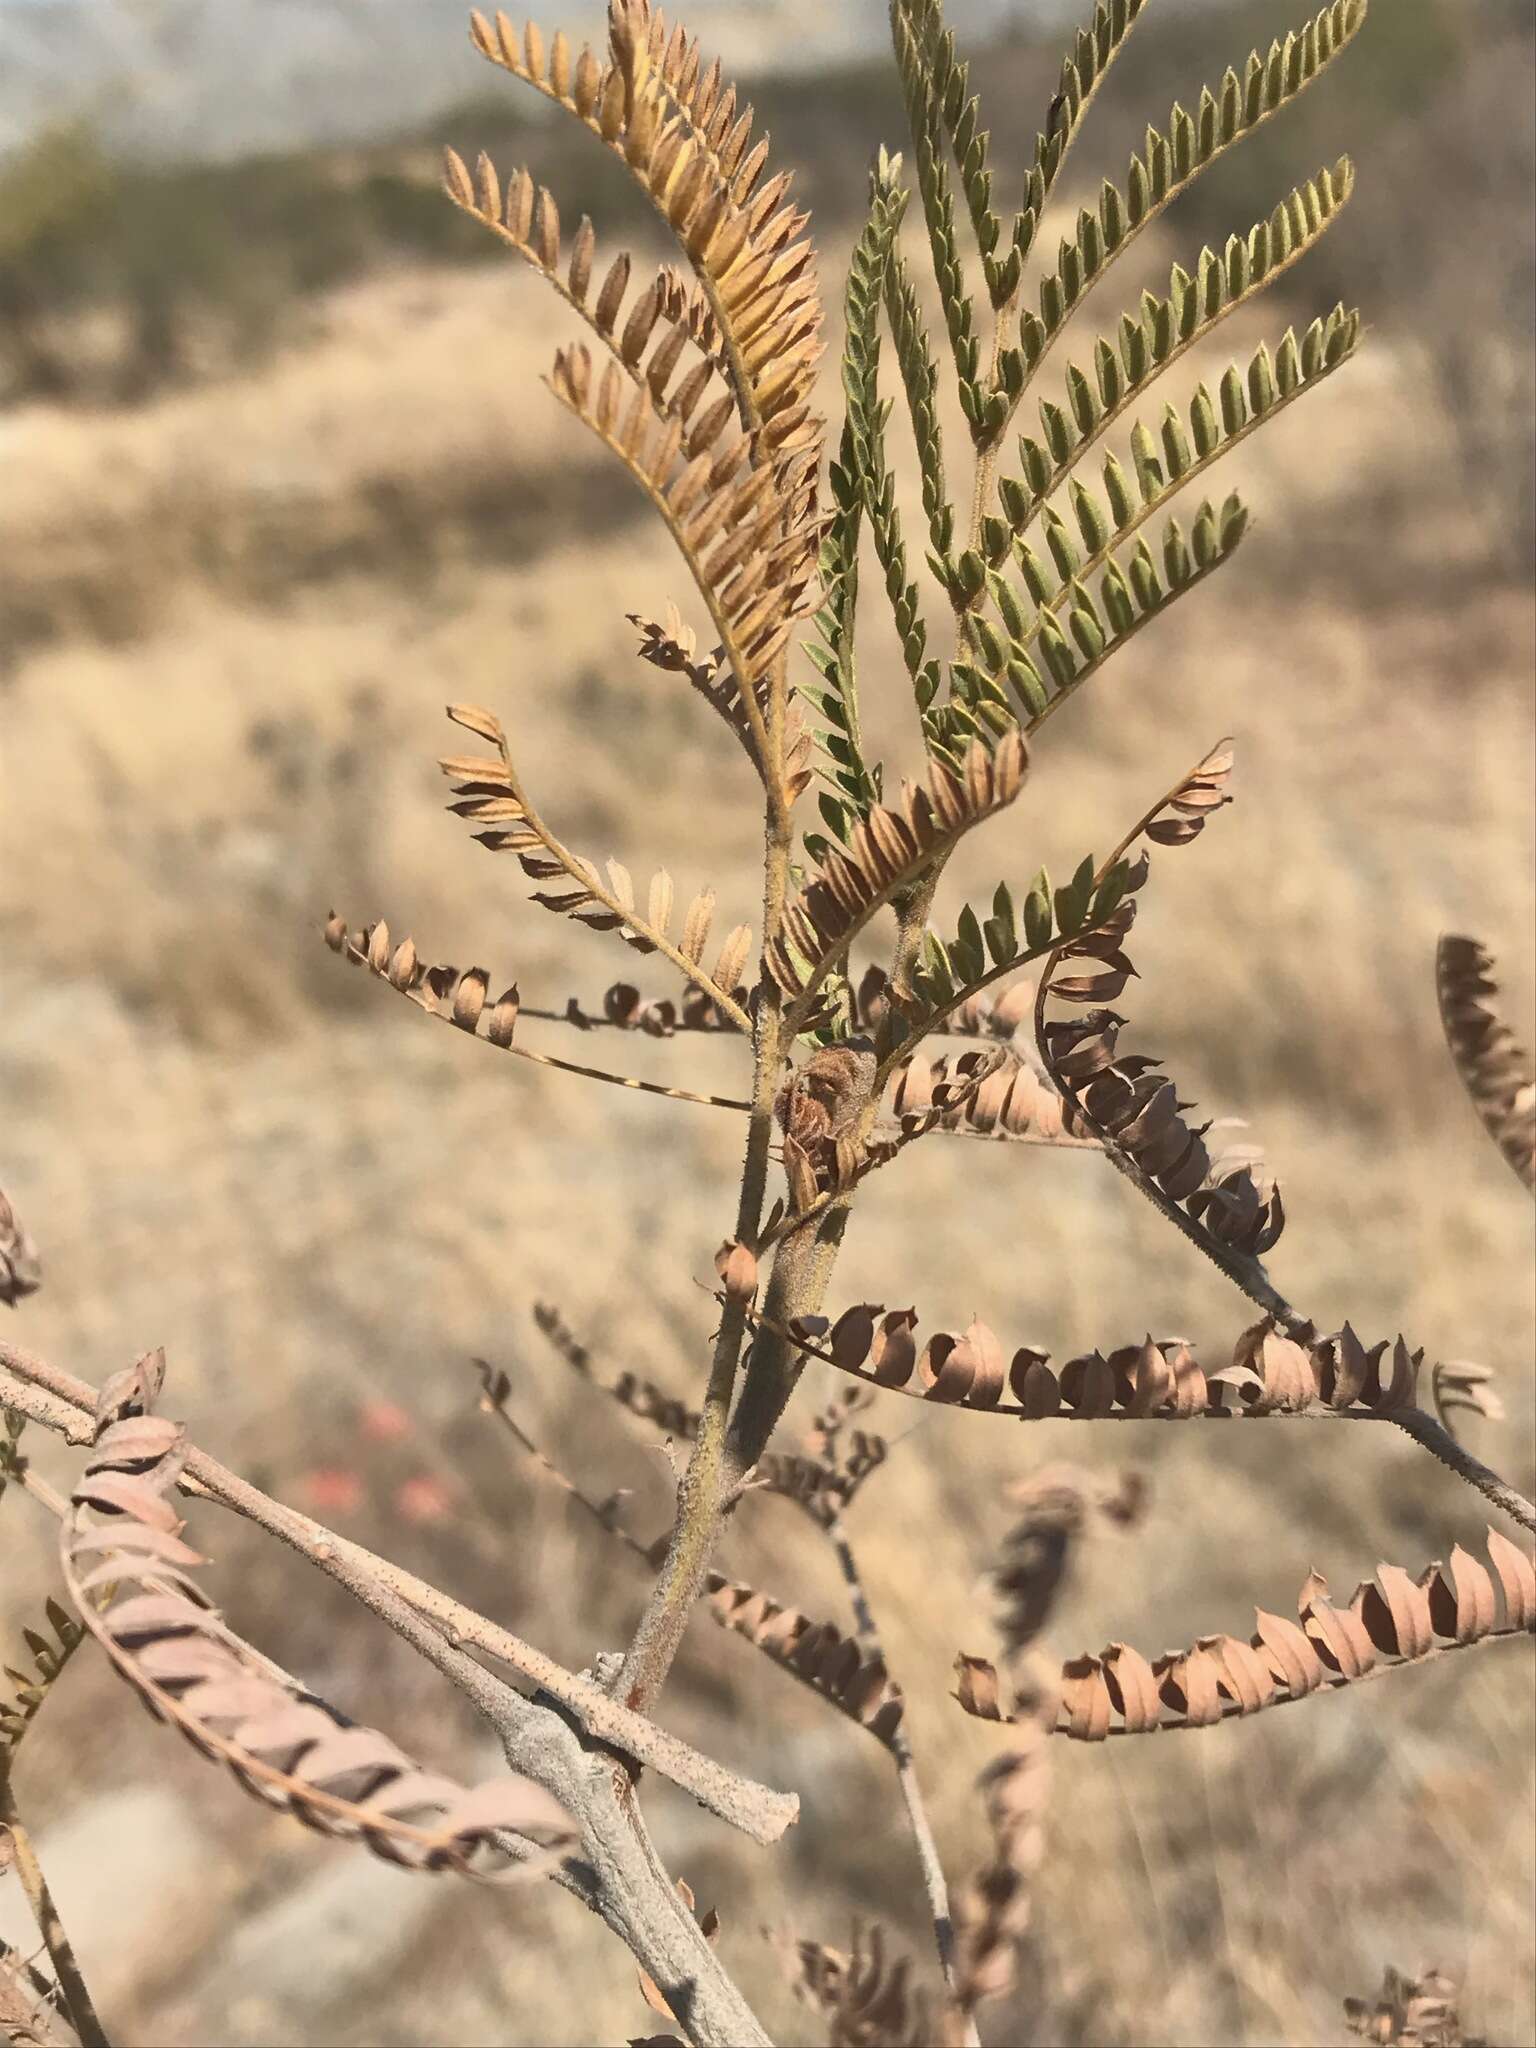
(280, 480)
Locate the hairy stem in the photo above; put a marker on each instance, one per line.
(704, 1494)
(1435, 1438)
(77, 1999)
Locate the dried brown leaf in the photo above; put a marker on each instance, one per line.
(279, 1740)
(1495, 1070)
(1391, 1621)
(21, 1271)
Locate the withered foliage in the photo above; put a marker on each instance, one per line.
(1268, 1373)
(21, 1271)
(122, 1542)
(1495, 1069)
(1412, 2012)
(815, 1651)
(1390, 1621)
(848, 1675)
(822, 1479)
(866, 1996)
(487, 790)
(1124, 1098)
(1462, 1387)
(461, 996)
(734, 474)
(697, 377)
(889, 848)
(1005, 1098)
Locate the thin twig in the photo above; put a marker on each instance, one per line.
(77, 1999)
(1435, 1438)
(934, 1882)
(29, 2008)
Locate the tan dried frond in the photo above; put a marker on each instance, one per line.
(1268, 1373)
(281, 1743)
(992, 1911)
(1183, 813)
(886, 850)
(21, 1271)
(1007, 1101)
(1391, 1621)
(1412, 2012)
(1495, 1069)
(724, 515)
(1130, 1104)
(672, 647)
(650, 337)
(839, 1458)
(990, 1013)
(865, 1997)
(461, 997)
(815, 1651)
(755, 310)
(1230, 1207)
(656, 105)
(1461, 1387)
(1051, 1507)
(488, 791)
(642, 1398)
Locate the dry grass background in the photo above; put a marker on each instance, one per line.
(235, 613)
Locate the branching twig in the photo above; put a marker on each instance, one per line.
(441, 1628)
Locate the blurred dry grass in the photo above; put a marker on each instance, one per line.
(236, 611)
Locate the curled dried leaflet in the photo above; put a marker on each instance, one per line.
(1390, 1622)
(1494, 1067)
(121, 1544)
(1267, 1374)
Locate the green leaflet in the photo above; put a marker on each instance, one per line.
(49, 1654)
(951, 971)
(1163, 329)
(1082, 73)
(925, 120)
(1171, 161)
(860, 484)
(1077, 629)
(1162, 464)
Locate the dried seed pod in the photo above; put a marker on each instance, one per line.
(737, 1268)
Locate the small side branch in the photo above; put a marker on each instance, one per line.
(934, 1882)
(1435, 1438)
(77, 1998)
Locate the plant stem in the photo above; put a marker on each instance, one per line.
(1435, 1438)
(703, 1496)
(77, 1999)
(399, 1599)
(934, 1882)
